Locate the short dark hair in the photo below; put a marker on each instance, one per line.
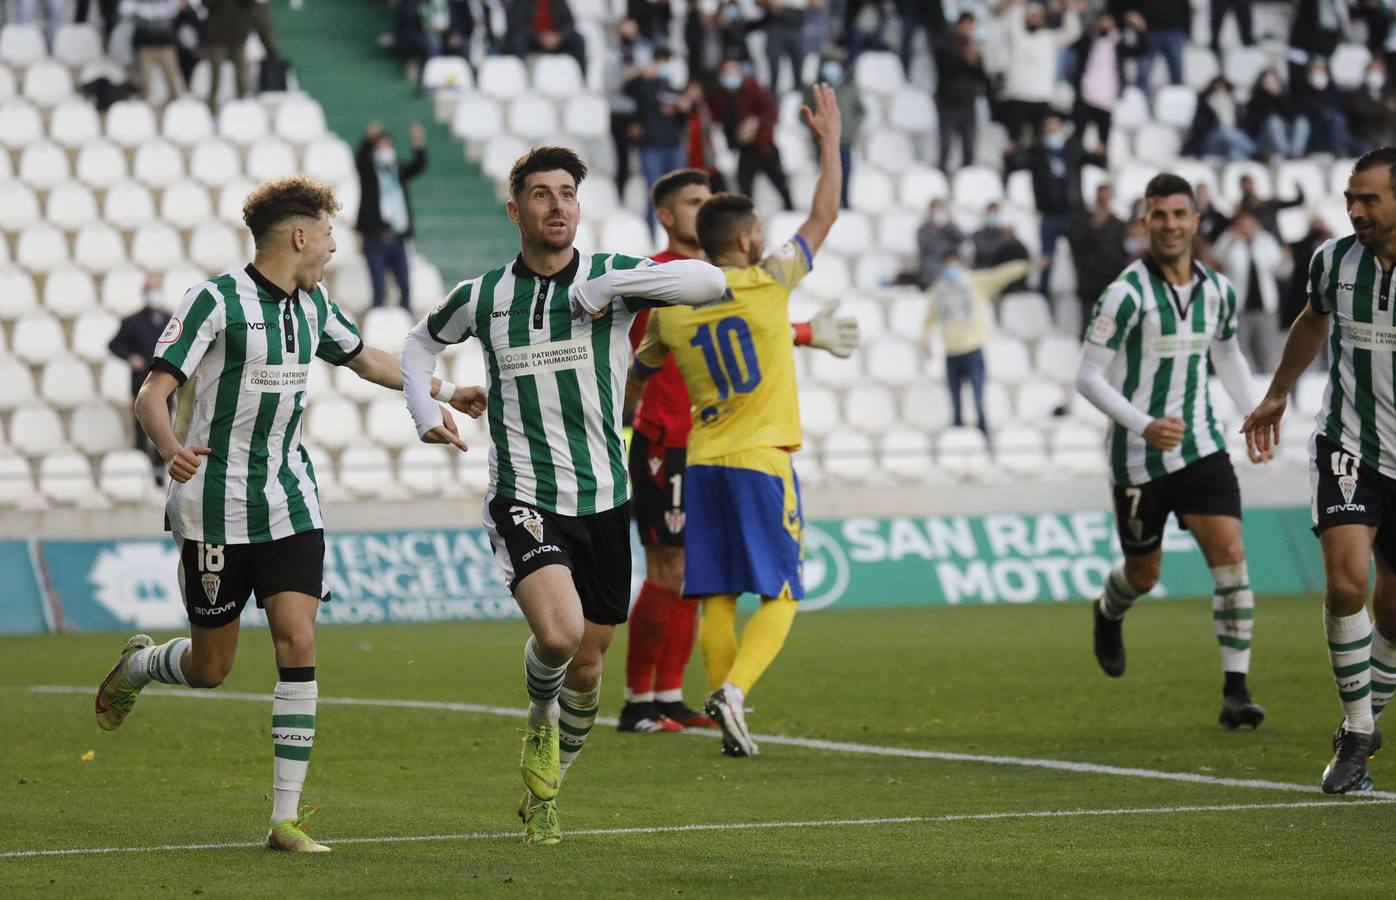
(721, 219)
(274, 202)
(1166, 184)
(675, 181)
(546, 159)
(1378, 156)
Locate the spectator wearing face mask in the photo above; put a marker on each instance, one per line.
(1097, 241)
(385, 211)
(1256, 262)
(851, 110)
(1099, 77)
(1216, 126)
(699, 152)
(633, 55)
(995, 244)
(937, 237)
(134, 344)
(961, 302)
(1371, 110)
(960, 82)
(1032, 69)
(1056, 185)
(544, 26)
(747, 113)
(1315, 30)
(661, 115)
(1270, 119)
(713, 32)
(1320, 104)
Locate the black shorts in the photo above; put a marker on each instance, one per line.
(657, 472)
(1208, 487)
(596, 548)
(218, 579)
(1347, 492)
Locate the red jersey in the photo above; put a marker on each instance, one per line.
(664, 414)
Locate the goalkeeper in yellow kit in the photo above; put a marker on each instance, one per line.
(744, 520)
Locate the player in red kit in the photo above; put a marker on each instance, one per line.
(663, 623)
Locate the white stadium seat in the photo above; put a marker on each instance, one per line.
(891, 151)
(47, 83)
(1200, 66)
(977, 186)
(43, 165)
(114, 382)
(18, 205)
(910, 110)
(447, 73)
(70, 204)
(178, 279)
(1242, 66)
(1037, 401)
(1293, 175)
(499, 156)
(16, 384)
(1057, 357)
(1025, 315)
(215, 247)
(215, 162)
(819, 411)
(963, 451)
(123, 290)
(130, 123)
(156, 247)
(390, 424)
(128, 205)
(849, 458)
(20, 124)
(428, 292)
(243, 122)
(830, 278)
(1348, 65)
(66, 382)
(69, 292)
(74, 123)
(17, 294)
(425, 470)
(101, 164)
(871, 191)
(906, 454)
(368, 472)
(926, 406)
(126, 476)
(477, 119)
(1077, 449)
(271, 158)
(1235, 171)
(37, 337)
(17, 483)
(557, 76)
(870, 408)
(878, 73)
(586, 116)
(185, 204)
(76, 45)
(531, 117)
(158, 163)
(35, 430)
(328, 158)
(99, 427)
(502, 77)
(299, 120)
(1020, 450)
(1131, 110)
(66, 477)
(1175, 105)
(851, 234)
(1006, 360)
(41, 248)
(98, 247)
(231, 196)
(893, 361)
(333, 422)
(626, 232)
(1159, 145)
(22, 45)
(871, 315)
(92, 332)
(896, 231)
(187, 122)
(8, 89)
(386, 326)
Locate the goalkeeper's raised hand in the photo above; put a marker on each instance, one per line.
(838, 335)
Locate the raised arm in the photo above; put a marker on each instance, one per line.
(827, 124)
(683, 282)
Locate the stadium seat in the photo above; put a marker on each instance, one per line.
(185, 204)
(1025, 315)
(76, 45)
(1242, 66)
(70, 204)
(1006, 360)
(1037, 401)
(92, 332)
(830, 278)
(65, 477)
(19, 207)
(128, 204)
(892, 151)
(586, 116)
(43, 165)
(477, 120)
(977, 186)
(98, 427)
(1308, 395)
(1294, 175)
(919, 185)
(352, 289)
(1348, 65)
(244, 122)
(869, 408)
(390, 424)
(871, 191)
(215, 162)
(8, 89)
(17, 294)
(447, 73)
(819, 410)
(334, 422)
(99, 248)
(271, 158)
(1231, 180)
(178, 280)
(1057, 357)
(1132, 109)
(910, 110)
(22, 45)
(114, 382)
(47, 83)
(626, 232)
(532, 117)
(1175, 105)
(386, 326)
(231, 196)
(873, 271)
(123, 289)
(906, 454)
(926, 407)
(215, 247)
(1020, 450)
(158, 163)
(35, 430)
(1077, 449)
(963, 452)
(299, 120)
(328, 158)
(16, 384)
(849, 458)
(20, 124)
(468, 366)
(425, 470)
(1200, 66)
(896, 232)
(906, 314)
(66, 381)
(557, 76)
(101, 164)
(427, 290)
(17, 483)
(502, 77)
(1158, 144)
(499, 155)
(367, 472)
(130, 123)
(156, 247)
(74, 123)
(69, 292)
(850, 235)
(41, 248)
(598, 198)
(878, 73)
(187, 122)
(126, 476)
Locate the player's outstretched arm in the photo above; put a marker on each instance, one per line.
(827, 124)
(1306, 337)
(421, 390)
(683, 282)
(1235, 374)
(153, 412)
(382, 368)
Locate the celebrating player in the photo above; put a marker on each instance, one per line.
(1144, 364)
(663, 621)
(555, 348)
(1353, 452)
(744, 521)
(242, 502)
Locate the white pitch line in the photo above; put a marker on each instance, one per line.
(807, 743)
(739, 826)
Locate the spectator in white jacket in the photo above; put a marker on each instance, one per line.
(1256, 263)
(1031, 74)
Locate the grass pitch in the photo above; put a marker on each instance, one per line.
(1015, 682)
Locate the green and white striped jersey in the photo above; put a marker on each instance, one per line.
(1358, 411)
(241, 349)
(556, 384)
(1161, 334)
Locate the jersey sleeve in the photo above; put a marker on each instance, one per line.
(1113, 316)
(1226, 324)
(192, 329)
(451, 322)
(1320, 298)
(620, 261)
(649, 358)
(789, 263)
(339, 339)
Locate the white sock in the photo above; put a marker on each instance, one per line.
(163, 663)
(1350, 650)
(1383, 672)
(674, 696)
(543, 682)
(1233, 616)
(578, 710)
(292, 737)
(638, 697)
(1119, 595)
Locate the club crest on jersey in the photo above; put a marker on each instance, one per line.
(211, 583)
(674, 520)
(172, 331)
(1348, 485)
(1136, 528)
(1102, 329)
(655, 465)
(530, 519)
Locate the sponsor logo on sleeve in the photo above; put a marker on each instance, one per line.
(172, 331)
(1102, 329)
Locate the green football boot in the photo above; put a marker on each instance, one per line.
(117, 694)
(540, 820)
(541, 762)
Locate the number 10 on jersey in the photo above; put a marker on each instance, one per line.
(719, 344)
